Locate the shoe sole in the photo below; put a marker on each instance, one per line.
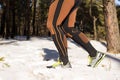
(55, 65)
(52, 66)
(59, 64)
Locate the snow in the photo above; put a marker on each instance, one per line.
(27, 60)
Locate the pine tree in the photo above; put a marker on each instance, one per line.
(112, 28)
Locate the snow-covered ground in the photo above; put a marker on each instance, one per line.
(27, 60)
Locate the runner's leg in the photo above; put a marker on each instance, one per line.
(57, 34)
(77, 36)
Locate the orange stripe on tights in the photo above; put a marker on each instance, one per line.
(65, 9)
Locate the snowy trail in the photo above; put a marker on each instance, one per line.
(27, 60)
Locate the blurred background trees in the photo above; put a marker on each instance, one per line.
(28, 18)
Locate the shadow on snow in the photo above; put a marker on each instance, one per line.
(50, 54)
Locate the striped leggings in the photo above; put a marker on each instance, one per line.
(60, 22)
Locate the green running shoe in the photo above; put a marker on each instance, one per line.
(59, 63)
(94, 61)
(56, 64)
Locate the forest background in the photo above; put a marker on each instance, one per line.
(28, 18)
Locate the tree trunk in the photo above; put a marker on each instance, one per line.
(112, 29)
(13, 32)
(27, 18)
(95, 28)
(34, 13)
(94, 20)
(3, 19)
(7, 32)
